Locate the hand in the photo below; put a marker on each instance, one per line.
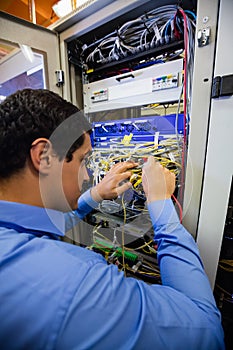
(111, 185)
(158, 182)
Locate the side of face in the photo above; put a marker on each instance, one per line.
(74, 173)
(61, 186)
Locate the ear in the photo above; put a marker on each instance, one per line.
(41, 155)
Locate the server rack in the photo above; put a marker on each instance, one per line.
(205, 200)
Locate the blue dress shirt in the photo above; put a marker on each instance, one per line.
(55, 295)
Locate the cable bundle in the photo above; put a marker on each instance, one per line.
(102, 159)
(158, 27)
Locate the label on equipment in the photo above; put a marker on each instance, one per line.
(100, 95)
(165, 82)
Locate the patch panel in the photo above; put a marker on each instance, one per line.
(142, 129)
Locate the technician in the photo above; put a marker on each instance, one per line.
(56, 295)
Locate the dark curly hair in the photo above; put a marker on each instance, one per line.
(30, 114)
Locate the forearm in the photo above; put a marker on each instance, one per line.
(178, 256)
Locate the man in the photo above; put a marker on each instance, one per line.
(58, 296)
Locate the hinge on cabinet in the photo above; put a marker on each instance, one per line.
(222, 86)
(60, 77)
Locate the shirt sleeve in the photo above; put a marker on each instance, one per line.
(85, 205)
(178, 256)
(126, 313)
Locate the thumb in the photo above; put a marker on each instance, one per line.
(123, 188)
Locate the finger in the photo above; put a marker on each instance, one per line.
(149, 162)
(122, 166)
(124, 176)
(150, 159)
(167, 171)
(123, 188)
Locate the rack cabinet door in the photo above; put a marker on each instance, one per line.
(219, 165)
(26, 48)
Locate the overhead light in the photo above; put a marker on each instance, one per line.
(62, 8)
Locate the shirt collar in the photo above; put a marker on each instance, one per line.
(32, 218)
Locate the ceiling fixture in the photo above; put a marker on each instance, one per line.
(62, 7)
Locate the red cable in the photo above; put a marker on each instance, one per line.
(185, 68)
(185, 100)
(179, 206)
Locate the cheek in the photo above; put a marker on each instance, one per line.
(82, 176)
(71, 180)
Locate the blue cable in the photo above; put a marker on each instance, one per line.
(191, 13)
(166, 29)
